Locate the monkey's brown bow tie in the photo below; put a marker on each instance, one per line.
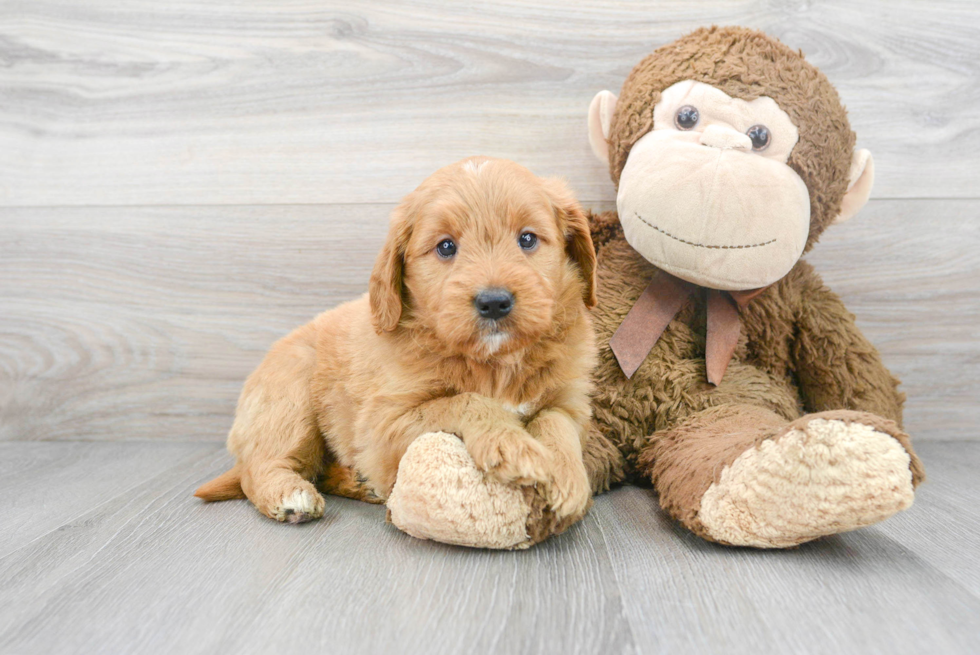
(658, 305)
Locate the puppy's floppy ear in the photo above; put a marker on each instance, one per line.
(578, 235)
(385, 288)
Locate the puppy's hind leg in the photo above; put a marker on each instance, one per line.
(280, 493)
(340, 480)
(275, 435)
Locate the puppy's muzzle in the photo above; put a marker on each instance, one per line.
(494, 304)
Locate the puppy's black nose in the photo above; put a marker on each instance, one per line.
(494, 303)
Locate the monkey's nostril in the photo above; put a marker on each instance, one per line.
(494, 303)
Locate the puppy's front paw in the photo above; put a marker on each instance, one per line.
(299, 506)
(511, 455)
(569, 493)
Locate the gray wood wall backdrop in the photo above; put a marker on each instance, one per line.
(183, 182)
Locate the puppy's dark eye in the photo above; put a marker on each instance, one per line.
(446, 248)
(528, 240)
(760, 137)
(687, 117)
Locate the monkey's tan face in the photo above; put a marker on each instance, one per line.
(707, 194)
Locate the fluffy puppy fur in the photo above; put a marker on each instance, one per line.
(338, 401)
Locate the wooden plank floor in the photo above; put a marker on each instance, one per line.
(147, 568)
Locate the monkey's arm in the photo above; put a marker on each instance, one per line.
(837, 367)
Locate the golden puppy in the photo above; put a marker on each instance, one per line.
(475, 324)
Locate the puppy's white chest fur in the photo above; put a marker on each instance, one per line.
(493, 341)
(522, 410)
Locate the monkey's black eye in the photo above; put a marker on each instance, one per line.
(687, 117)
(760, 137)
(528, 240)
(446, 248)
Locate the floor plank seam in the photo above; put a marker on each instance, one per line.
(95, 508)
(619, 583)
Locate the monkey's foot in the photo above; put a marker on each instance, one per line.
(821, 477)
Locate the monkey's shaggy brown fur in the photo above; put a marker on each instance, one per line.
(800, 351)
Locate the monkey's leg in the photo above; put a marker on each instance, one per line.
(741, 475)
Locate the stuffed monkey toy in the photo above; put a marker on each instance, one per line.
(730, 377)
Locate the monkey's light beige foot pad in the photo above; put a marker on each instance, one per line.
(827, 477)
(440, 494)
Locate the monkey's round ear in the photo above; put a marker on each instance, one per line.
(600, 119)
(860, 181)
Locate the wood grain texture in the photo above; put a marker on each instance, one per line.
(137, 323)
(157, 571)
(910, 271)
(861, 592)
(182, 183)
(153, 570)
(300, 101)
(941, 530)
(46, 485)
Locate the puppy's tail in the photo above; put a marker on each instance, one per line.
(226, 486)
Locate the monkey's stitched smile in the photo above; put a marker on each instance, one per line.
(701, 245)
